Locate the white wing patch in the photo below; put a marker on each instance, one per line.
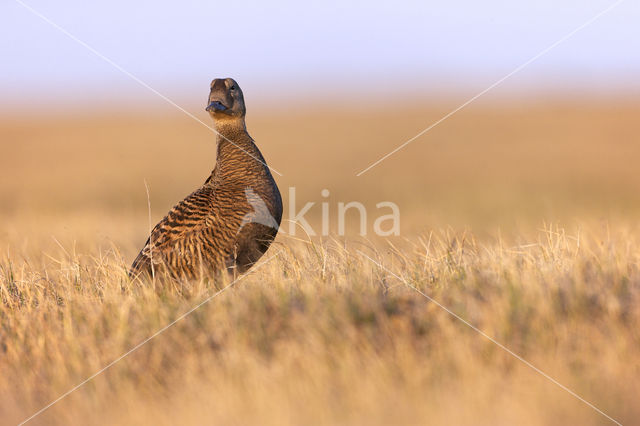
(260, 213)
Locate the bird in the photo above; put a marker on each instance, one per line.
(231, 220)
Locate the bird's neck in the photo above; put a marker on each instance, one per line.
(229, 127)
(237, 154)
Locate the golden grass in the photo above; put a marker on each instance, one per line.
(320, 334)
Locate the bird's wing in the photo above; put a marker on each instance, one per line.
(172, 236)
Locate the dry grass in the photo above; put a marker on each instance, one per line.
(320, 334)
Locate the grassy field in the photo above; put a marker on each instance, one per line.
(520, 218)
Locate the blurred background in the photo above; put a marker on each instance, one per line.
(331, 87)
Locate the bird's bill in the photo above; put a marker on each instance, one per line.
(216, 106)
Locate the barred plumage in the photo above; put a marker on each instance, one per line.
(231, 220)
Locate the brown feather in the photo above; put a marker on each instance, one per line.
(217, 227)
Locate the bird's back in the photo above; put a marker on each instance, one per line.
(183, 236)
(220, 226)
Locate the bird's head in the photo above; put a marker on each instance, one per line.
(225, 99)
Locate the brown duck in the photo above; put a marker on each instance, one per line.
(230, 221)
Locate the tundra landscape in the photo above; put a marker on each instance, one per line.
(510, 296)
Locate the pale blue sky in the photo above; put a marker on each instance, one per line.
(310, 49)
